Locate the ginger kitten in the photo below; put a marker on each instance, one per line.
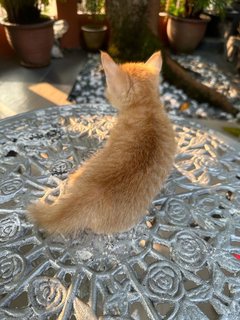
(112, 190)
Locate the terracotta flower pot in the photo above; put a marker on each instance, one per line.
(94, 36)
(32, 43)
(184, 35)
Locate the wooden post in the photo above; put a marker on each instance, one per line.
(5, 49)
(68, 11)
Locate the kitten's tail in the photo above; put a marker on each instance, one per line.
(60, 217)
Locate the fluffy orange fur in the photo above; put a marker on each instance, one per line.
(112, 190)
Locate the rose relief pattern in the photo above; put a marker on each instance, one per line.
(180, 262)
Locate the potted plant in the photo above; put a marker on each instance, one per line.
(187, 22)
(94, 32)
(28, 31)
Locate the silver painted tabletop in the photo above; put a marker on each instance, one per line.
(181, 262)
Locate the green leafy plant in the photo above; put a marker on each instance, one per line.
(193, 8)
(24, 11)
(95, 9)
(95, 6)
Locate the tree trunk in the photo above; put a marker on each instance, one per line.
(176, 75)
(153, 18)
(134, 37)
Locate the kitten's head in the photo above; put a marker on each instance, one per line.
(130, 83)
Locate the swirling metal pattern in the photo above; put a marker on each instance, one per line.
(180, 262)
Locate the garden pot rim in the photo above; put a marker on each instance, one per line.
(163, 14)
(42, 24)
(203, 18)
(93, 28)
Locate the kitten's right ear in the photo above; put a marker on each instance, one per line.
(155, 61)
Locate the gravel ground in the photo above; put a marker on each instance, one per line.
(90, 84)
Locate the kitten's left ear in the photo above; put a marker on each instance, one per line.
(109, 66)
(155, 61)
(114, 74)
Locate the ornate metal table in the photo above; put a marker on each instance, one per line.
(180, 262)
